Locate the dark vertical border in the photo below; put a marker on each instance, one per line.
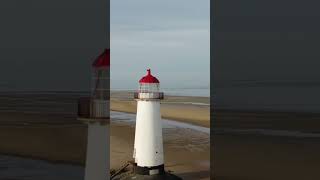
(108, 47)
(212, 3)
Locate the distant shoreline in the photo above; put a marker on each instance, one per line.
(188, 117)
(193, 110)
(166, 92)
(43, 92)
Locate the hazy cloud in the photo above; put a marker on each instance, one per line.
(171, 37)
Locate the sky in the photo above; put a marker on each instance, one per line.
(172, 37)
(50, 44)
(266, 55)
(266, 41)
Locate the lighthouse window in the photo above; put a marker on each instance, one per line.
(149, 88)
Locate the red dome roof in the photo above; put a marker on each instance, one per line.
(149, 78)
(103, 60)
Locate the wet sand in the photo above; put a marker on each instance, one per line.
(236, 157)
(195, 110)
(264, 145)
(61, 143)
(18, 168)
(187, 153)
(268, 120)
(57, 136)
(247, 157)
(62, 139)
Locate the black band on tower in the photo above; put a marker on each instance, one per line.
(149, 170)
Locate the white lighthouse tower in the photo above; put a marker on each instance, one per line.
(95, 112)
(148, 148)
(148, 144)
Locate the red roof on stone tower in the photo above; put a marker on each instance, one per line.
(103, 60)
(149, 78)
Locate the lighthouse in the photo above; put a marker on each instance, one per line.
(94, 111)
(148, 143)
(148, 147)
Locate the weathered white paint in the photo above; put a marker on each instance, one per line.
(97, 161)
(148, 146)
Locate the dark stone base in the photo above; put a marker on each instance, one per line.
(131, 171)
(148, 170)
(165, 176)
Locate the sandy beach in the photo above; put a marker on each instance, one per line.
(195, 110)
(268, 120)
(264, 145)
(67, 144)
(248, 157)
(61, 143)
(45, 127)
(187, 153)
(179, 143)
(236, 157)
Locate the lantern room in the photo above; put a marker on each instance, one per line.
(149, 83)
(97, 105)
(100, 76)
(149, 87)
